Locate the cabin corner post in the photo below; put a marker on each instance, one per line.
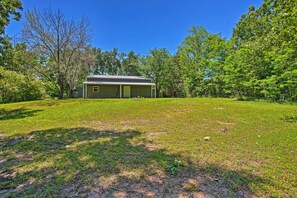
(152, 91)
(120, 91)
(86, 91)
(83, 90)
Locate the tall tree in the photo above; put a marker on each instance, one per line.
(130, 65)
(115, 63)
(202, 57)
(174, 85)
(156, 67)
(52, 35)
(262, 63)
(98, 67)
(79, 67)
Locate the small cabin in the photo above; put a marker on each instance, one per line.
(105, 86)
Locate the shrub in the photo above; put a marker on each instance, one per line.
(15, 87)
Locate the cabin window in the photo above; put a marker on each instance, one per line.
(95, 88)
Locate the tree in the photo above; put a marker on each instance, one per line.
(9, 8)
(156, 67)
(262, 62)
(107, 62)
(174, 85)
(115, 63)
(98, 67)
(58, 39)
(18, 58)
(130, 64)
(202, 56)
(79, 68)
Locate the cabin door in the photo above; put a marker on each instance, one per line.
(127, 91)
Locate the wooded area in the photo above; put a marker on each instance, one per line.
(259, 61)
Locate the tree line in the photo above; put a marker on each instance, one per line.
(259, 61)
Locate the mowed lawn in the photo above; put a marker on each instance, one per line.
(148, 148)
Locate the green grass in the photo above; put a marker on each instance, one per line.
(106, 147)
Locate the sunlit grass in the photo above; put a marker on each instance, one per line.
(48, 146)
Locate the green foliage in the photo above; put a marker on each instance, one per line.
(263, 63)
(16, 87)
(130, 64)
(157, 68)
(9, 8)
(173, 80)
(202, 57)
(258, 62)
(115, 63)
(17, 58)
(51, 89)
(174, 167)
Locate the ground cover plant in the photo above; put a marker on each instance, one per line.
(148, 147)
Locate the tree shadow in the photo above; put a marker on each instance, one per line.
(84, 162)
(291, 119)
(16, 113)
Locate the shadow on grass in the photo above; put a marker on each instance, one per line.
(16, 113)
(291, 119)
(84, 162)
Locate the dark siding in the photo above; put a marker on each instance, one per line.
(105, 91)
(142, 91)
(113, 91)
(78, 93)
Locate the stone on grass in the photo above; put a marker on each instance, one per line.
(206, 138)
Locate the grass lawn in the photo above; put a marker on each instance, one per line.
(148, 148)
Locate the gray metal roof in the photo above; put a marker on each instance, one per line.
(116, 79)
(116, 83)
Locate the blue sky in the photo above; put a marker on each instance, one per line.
(141, 25)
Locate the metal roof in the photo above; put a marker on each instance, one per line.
(114, 76)
(100, 79)
(116, 83)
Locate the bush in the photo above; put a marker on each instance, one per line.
(15, 87)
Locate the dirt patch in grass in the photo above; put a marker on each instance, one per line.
(189, 183)
(219, 108)
(2, 135)
(81, 162)
(98, 125)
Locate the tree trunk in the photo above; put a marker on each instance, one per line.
(62, 89)
(157, 92)
(71, 92)
(61, 86)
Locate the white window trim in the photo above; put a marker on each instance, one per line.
(94, 87)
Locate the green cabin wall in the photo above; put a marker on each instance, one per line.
(113, 91)
(105, 91)
(142, 91)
